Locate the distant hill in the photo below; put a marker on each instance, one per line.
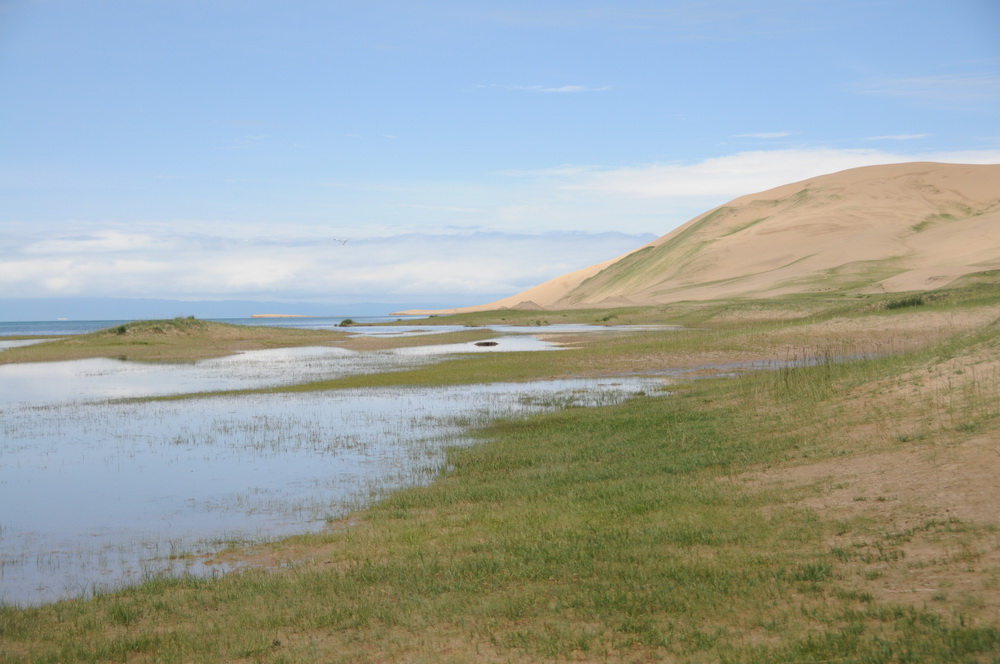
(891, 228)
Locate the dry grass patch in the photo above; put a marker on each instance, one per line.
(917, 498)
(918, 526)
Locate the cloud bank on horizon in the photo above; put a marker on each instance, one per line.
(443, 151)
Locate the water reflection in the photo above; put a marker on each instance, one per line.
(95, 494)
(16, 343)
(557, 328)
(39, 383)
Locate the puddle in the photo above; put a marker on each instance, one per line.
(41, 383)
(498, 344)
(565, 328)
(94, 495)
(7, 343)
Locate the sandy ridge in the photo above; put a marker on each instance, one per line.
(890, 228)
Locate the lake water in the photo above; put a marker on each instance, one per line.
(96, 493)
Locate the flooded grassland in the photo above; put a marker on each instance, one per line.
(824, 491)
(102, 485)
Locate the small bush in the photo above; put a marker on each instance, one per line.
(911, 301)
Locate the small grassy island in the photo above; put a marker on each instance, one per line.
(169, 340)
(836, 504)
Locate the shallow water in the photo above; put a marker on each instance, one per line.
(41, 383)
(6, 343)
(558, 328)
(45, 383)
(95, 494)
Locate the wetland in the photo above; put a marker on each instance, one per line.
(102, 486)
(814, 481)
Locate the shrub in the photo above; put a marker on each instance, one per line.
(911, 301)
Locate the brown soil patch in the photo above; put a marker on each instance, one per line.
(918, 514)
(919, 525)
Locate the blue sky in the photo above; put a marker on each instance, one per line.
(225, 149)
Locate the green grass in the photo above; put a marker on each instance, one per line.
(187, 340)
(169, 340)
(932, 220)
(910, 301)
(712, 335)
(745, 226)
(623, 533)
(583, 534)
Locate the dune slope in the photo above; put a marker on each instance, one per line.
(891, 228)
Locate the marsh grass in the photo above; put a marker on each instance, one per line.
(619, 533)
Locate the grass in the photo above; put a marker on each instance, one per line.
(910, 301)
(770, 331)
(188, 339)
(625, 533)
(171, 340)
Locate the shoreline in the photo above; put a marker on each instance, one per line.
(772, 510)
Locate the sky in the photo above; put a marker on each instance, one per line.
(442, 153)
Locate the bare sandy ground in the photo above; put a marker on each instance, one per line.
(926, 498)
(920, 507)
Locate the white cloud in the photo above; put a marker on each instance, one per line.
(459, 256)
(101, 241)
(658, 197)
(738, 174)
(459, 267)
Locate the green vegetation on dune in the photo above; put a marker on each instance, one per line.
(544, 318)
(931, 221)
(644, 531)
(659, 262)
(848, 278)
(644, 269)
(747, 245)
(745, 226)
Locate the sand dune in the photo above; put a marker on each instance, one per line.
(892, 228)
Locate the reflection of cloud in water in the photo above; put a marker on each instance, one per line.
(17, 343)
(502, 344)
(106, 378)
(96, 494)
